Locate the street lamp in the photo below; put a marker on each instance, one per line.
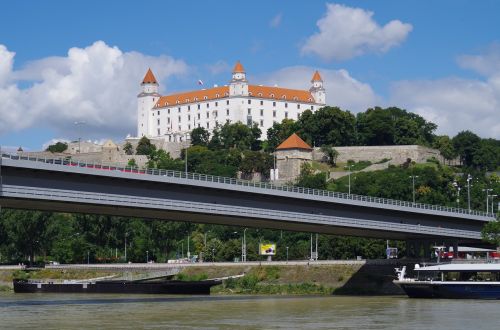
(487, 190)
(455, 184)
(413, 177)
(349, 166)
(287, 254)
(469, 179)
(493, 203)
(126, 234)
(244, 247)
(79, 124)
(88, 257)
(147, 256)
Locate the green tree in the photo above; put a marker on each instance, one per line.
(57, 147)
(445, 146)
(491, 233)
(132, 163)
(236, 135)
(466, 144)
(309, 179)
(256, 162)
(161, 159)
(200, 137)
(487, 155)
(129, 150)
(145, 147)
(330, 153)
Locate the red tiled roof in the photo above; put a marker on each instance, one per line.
(316, 76)
(264, 92)
(149, 78)
(294, 142)
(238, 68)
(278, 93)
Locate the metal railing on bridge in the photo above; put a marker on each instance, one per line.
(233, 181)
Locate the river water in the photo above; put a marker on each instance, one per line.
(70, 311)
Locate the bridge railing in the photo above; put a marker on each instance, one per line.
(233, 181)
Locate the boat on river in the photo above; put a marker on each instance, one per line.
(117, 286)
(452, 281)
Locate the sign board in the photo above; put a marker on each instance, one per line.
(267, 249)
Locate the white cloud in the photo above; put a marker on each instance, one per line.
(342, 90)
(97, 84)
(346, 32)
(219, 67)
(276, 20)
(487, 64)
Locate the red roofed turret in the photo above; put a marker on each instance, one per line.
(149, 78)
(294, 142)
(238, 68)
(316, 77)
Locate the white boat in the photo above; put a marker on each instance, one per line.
(452, 281)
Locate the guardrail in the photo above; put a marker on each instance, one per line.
(261, 185)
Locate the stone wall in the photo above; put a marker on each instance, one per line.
(396, 154)
(289, 163)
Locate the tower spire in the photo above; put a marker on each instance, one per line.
(149, 78)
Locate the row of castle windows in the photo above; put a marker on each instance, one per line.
(227, 103)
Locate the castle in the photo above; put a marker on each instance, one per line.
(173, 117)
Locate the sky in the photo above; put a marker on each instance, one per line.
(63, 62)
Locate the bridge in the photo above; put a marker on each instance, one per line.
(76, 187)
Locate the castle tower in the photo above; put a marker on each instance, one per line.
(290, 155)
(239, 84)
(145, 102)
(317, 90)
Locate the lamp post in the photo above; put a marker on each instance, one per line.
(349, 166)
(147, 256)
(469, 179)
(244, 247)
(88, 257)
(487, 190)
(413, 177)
(493, 203)
(455, 184)
(287, 254)
(186, 160)
(79, 124)
(126, 234)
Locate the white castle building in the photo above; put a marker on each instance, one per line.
(172, 117)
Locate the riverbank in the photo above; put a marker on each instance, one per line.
(297, 278)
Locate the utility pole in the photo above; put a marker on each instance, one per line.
(78, 124)
(349, 166)
(469, 179)
(413, 177)
(316, 247)
(455, 184)
(126, 234)
(186, 161)
(487, 190)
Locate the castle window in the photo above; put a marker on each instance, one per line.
(179, 109)
(249, 101)
(298, 106)
(158, 122)
(208, 115)
(286, 105)
(227, 102)
(250, 93)
(274, 104)
(158, 113)
(298, 116)
(274, 113)
(168, 111)
(286, 115)
(179, 119)
(262, 112)
(208, 105)
(227, 112)
(283, 97)
(158, 131)
(198, 107)
(261, 102)
(189, 117)
(272, 96)
(312, 107)
(208, 125)
(186, 100)
(261, 123)
(216, 123)
(189, 108)
(196, 99)
(198, 116)
(249, 111)
(198, 125)
(168, 120)
(260, 95)
(215, 114)
(205, 98)
(180, 128)
(217, 103)
(189, 127)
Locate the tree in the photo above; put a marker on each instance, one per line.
(161, 159)
(491, 232)
(466, 144)
(328, 125)
(145, 147)
(330, 153)
(487, 155)
(200, 137)
(57, 147)
(129, 150)
(445, 146)
(309, 179)
(132, 163)
(256, 162)
(237, 136)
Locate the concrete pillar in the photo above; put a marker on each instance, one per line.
(455, 250)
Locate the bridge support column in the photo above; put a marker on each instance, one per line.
(455, 250)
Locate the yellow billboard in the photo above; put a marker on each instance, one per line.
(267, 249)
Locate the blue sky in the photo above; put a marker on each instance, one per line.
(63, 61)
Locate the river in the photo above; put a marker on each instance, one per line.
(70, 311)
